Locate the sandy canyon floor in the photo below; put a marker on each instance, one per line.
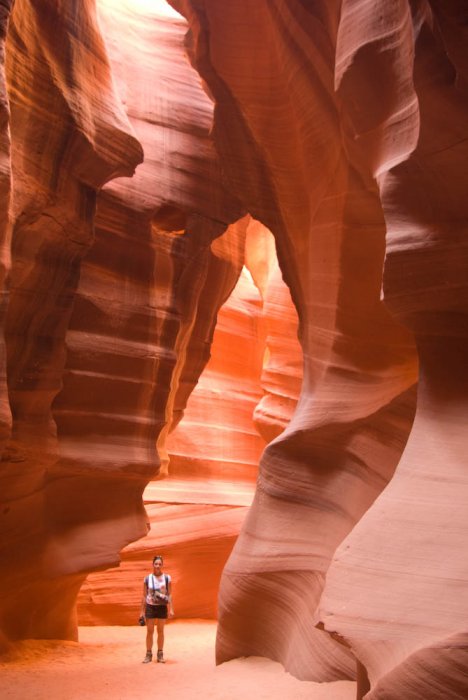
(106, 664)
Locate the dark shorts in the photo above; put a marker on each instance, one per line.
(158, 612)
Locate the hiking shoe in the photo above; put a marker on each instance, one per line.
(148, 658)
(160, 657)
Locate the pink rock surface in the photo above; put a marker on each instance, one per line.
(102, 352)
(282, 361)
(406, 560)
(195, 540)
(322, 473)
(213, 453)
(340, 127)
(386, 592)
(68, 135)
(211, 469)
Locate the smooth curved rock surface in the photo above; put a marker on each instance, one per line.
(339, 451)
(406, 559)
(55, 64)
(282, 361)
(213, 453)
(341, 128)
(195, 540)
(102, 351)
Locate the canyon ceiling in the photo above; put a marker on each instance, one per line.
(280, 186)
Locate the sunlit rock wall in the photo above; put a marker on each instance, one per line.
(405, 563)
(195, 512)
(214, 451)
(113, 289)
(68, 135)
(341, 128)
(347, 141)
(340, 449)
(282, 369)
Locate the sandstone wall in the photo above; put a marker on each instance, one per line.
(113, 289)
(68, 135)
(341, 95)
(320, 475)
(196, 511)
(137, 191)
(414, 534)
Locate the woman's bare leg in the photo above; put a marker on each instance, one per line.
(161, 634)
(150, 634)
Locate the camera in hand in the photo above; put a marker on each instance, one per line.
(141, 620)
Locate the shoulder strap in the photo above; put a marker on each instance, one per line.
(166, 578)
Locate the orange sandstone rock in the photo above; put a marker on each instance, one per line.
(213, 452)
(340, 127)
(279, 131)
(69, 135)
(405, 563)
(101, 351)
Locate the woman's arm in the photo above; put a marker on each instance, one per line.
(143, 599)
(169, 593)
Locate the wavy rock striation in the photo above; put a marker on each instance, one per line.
(213, 452)
(68, 135)
(102, 350)
(341, 128)
(377, 173)
(405, 562)
(339, 451)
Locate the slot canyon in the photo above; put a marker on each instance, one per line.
(234, 305)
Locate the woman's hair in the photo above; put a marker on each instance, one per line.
(158, 556)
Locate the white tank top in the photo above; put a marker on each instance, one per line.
(154, 585)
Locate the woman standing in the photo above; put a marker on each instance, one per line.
(156, 605)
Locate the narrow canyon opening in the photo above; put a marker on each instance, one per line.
(244, 397)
